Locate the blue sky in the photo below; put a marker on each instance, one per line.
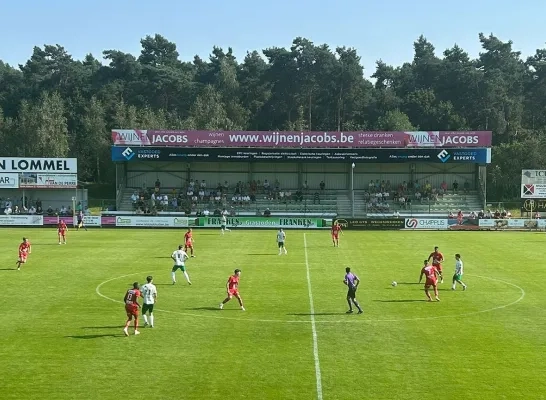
(377, 29)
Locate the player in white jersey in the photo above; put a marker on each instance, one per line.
(281, 238)
(458, 275)
(149, 294)
(179, 256)
(223, 224)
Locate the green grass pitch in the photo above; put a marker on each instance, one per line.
(61, 326)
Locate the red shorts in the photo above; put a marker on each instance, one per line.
(233, 292)
(62, 233)
(23, 257)
(335, 236)
(189, 245)
(132, 311)
(430, 282)
(438, 267)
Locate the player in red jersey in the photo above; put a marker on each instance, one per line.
(437, 260)
(24, 250)
(188, 241)
(431, 274)
(131, 307)
(232, 287)
(336, 230)
(61, 231)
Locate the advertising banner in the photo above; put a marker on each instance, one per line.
(152, 221)
(455, 156)
(534, 205)
(370, 223)
(426, 223)
(264, 222)
(256, 139)
(533, 191)
(39, 165)
(48, 181)
(21, 220)
(88, 220)
(512, 223)
(9, 181)
(533, 176)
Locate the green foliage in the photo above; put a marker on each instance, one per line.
(55, 105)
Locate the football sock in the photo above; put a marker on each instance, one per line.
(152, 319)
(127, 323)
(173, 274)
(358, 306)
(145, 318)
(187, 276)
(350, 304)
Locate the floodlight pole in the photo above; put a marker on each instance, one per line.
(352, 191)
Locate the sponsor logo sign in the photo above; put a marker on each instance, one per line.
(132, 154)
(49, 181)
(257, 139)
(89, 220)
(533, 176)
(152, 222)
(263, 222)
(39, 165)
(370, 223)
(426, 223)
(529, 191)
(9, 181)
(516, 223)
(534, 205)
(17, 220)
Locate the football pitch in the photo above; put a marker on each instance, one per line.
(61, 331)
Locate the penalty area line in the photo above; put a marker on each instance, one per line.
(318, 375)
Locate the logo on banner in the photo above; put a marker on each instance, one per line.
(444, 156)
(128, 153)
(528, 190)
(412, 223)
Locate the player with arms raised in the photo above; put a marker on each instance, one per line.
(281, 238)
(431, 274)
(61, 231)
(131, 308)
(25, 249)
(336, 230)
(437, 260)
(232, 287)
(188, 241)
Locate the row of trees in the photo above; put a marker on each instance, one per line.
(54, 105)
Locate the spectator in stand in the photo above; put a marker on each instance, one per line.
(408, 202)
(451, 215)
(371, 186)
(508, 214)
(443, 188)
(206, 212)
(174, 203)
(497, 214)
(191, 185)
(322, 186)
(537, 215)
(63, 210)
(316, 198)
(267, 213)
(404, 187)
(134, 199)
(504, 214)
(16, 210)
(473, 215)
(481, 214)
(417, 186)
(418, 197)
(288, 196)
(466, 187)
(281, 196)
(299, 195)
(32, 210)
(203, 184)
(428, 188)
(455, 186)
(201, 194)
(189, 192)
(386, 195)
(39, 210)
(402, 202)
(266, 186)
(489, 214)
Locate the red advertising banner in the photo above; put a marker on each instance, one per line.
(133, 137)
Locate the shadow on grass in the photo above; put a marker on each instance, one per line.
(260, 254)
(8, 269)
(104, 327)
(165, 257)
(94, 336)
(317, 313)
(208, 309)
(401, 301)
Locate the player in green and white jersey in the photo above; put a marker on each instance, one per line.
(458, 275)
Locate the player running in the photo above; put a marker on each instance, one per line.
(281, 237)
(131, 308)
(336, 230)
(223, 224)
(80, 221)
(232, 287)
(431, 274)
(179, 256)
(25, 249)
(352, 282)
(437, 260)
(188, 240)
(458, 275)
(61, 231)
(149, 294)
